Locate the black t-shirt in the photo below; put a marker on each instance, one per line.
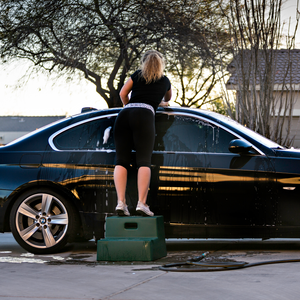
(151, 93)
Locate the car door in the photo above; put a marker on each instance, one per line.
(178, 183)
(241, 197)
(82, 161)
(200, 183)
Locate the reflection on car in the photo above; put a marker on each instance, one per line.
(211, 178)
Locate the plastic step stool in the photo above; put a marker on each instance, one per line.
(132, 239)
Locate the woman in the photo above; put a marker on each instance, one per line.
(135, 127)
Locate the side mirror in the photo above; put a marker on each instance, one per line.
(239, 146)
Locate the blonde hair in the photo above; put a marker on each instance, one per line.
(152, 66)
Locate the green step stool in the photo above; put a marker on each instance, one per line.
(132, 239)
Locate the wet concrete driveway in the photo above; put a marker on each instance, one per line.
(76, 274)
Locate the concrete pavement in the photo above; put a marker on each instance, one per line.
(75, 273)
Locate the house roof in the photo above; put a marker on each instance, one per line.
(285, 73)
(25, 124)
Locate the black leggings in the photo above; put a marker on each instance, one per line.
(134, 130)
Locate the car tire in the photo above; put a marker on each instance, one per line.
(43, 221)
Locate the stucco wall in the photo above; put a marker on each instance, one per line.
(8, 136)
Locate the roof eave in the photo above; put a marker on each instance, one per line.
(277, 87)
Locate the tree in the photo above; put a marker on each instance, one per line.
(102, 39)
(195, 74)
(196, 66)
(256, 35)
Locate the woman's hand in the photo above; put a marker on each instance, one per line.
(163, 104)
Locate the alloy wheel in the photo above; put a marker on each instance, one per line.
(41, 220)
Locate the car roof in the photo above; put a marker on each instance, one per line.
(208, 115)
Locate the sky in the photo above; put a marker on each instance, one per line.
(40, 95)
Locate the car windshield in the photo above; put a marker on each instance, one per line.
(254, 135)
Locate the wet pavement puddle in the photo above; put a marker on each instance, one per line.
(177, 252)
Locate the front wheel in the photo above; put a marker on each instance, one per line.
(42, 221)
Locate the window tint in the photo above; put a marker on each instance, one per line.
(93, 135)
(187, 134)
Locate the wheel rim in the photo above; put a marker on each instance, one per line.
(42, 220)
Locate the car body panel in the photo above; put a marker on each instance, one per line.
(201, 189)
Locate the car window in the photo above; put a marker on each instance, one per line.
(250, 133)
(93, 135)
(188, 134)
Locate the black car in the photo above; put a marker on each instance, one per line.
(211, 178)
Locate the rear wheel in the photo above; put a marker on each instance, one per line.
(43, 221)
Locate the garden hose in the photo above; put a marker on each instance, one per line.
(216, 266)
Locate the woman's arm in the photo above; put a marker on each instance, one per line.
(168, 95)
(125, 90)
(166, 98)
